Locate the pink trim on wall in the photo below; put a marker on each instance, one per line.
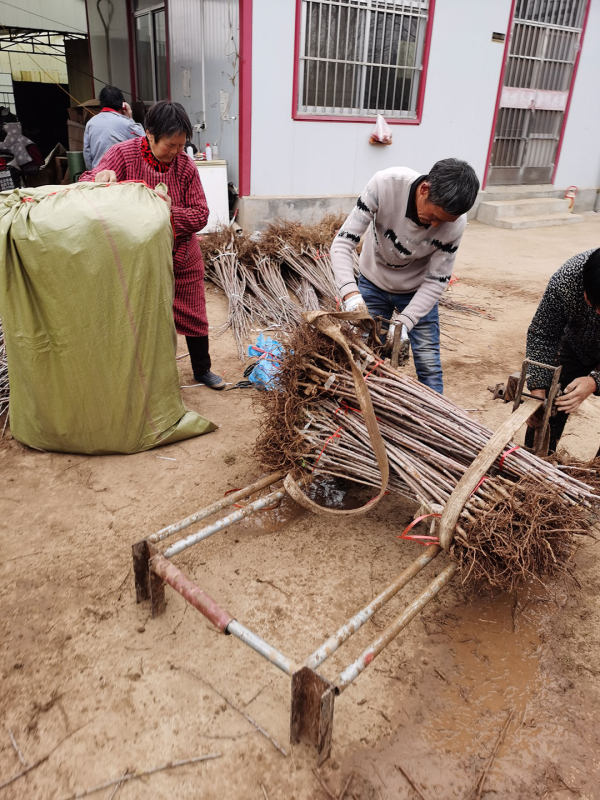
(245, 123)
(338, 118)
(568, 106)
(297, 63)
(296, 115)
(499, 93)
(426, 47)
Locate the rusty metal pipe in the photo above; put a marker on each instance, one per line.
(258, 644)
(225, 522)
(224, 502)
(194, 595)
(220, 618)
(350, 627)
(353, 671)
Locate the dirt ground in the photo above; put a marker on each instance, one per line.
(493, 697)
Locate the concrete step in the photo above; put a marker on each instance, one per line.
(521, 192)
(489, 211)
(536, 221)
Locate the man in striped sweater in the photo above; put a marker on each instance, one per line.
(565, 330)
(413, 225)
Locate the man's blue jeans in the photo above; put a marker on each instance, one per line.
(424, 337)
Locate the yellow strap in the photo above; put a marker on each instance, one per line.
(325, 322)
(484, 460)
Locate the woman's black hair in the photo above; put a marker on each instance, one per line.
(167, 119)
(111, 97)
(591, 279)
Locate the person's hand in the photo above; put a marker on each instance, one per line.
(106, 176)
(535, 420)
(575, 393)
(127, 112)
(163, 192)
(354, 302)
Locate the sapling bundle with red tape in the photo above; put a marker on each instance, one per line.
(272, 277)
(520, 522)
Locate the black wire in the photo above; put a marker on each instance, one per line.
(81, 71)
(240, 385)
(62, 59)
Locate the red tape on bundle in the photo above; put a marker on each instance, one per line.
(434, 539)
(378, 364)
(508, 452)
(266, 354)
(426, 541)
(343, 406)
(334, 435)
(500, 465)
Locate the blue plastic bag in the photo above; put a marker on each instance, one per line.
(269, 353)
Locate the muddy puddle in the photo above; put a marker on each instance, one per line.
(494, 670)
(472, 704)
(325, 490)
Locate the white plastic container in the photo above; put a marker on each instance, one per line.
(213, 176)
(208, 151)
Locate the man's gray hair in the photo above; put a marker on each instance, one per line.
(453, 185)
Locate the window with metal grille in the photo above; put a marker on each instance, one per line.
(357, 58)
(151, 50)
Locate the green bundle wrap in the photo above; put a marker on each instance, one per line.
(86, 295)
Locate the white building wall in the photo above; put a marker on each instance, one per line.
(579, 160)
(322, 158)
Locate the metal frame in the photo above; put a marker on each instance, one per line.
(36, 42)
(542, 434)
(312, 695)
(151, 12)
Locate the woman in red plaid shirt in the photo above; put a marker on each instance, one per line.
(157, 158)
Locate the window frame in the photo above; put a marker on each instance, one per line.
(150, 10)
(343, 117)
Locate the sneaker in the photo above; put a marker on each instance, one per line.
(211, 380)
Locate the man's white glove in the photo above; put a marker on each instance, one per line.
(397, 343)
(355, 303)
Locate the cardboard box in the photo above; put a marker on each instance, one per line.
(84, 111)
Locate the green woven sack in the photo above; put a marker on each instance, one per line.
(86, 294)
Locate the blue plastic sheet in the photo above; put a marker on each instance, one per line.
(269, 353)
